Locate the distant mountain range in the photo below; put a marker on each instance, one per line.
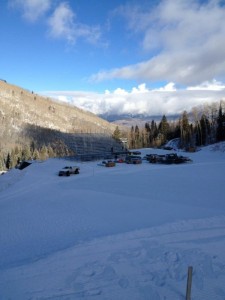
(129, 120)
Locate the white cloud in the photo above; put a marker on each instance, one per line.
(188, 37)
(142, 100)
(32, 9)
(61, 20)
(63, 24)
(140, 89)
(169, 87)
(209, 86)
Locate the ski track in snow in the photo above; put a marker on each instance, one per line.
(151, 265)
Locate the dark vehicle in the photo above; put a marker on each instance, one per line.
(134, 153)
(67, 171)
(133, 159)
(155, 158)
(171, 158)
(168, 148)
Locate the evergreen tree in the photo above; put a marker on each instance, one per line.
(117, 134)
(147, 127)
(137, 137)
(132, 138)
(164, 129)
(213, 122)
(153, 133)
(220, 133)
(147, 135)
(204, 130)
(144, 138)
(8, 162)
(185, 132)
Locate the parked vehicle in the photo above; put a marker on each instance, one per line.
(134, 153)
(171, 158)
(130, 159)
(152, 158)
(68, 170)
(108, 163)
(119, 160)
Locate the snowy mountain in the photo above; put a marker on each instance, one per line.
(129, 120)
(126, 232)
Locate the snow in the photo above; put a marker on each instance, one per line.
(126, 232)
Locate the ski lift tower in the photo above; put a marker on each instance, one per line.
(124, 142)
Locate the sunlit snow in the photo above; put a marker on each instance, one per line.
(127, 232)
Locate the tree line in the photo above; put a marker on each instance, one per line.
(18, 154)
(197, 128)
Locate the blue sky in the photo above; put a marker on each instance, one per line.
(116, 56)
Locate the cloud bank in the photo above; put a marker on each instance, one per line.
(184, 40)
(141, 100)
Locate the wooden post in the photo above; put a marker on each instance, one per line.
(189, 282)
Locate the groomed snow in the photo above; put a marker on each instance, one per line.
(127, 232)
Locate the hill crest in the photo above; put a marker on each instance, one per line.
(25, 106)
(26, 116)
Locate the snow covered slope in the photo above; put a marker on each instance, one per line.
(128, 232)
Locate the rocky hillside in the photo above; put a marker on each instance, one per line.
(28, 117)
